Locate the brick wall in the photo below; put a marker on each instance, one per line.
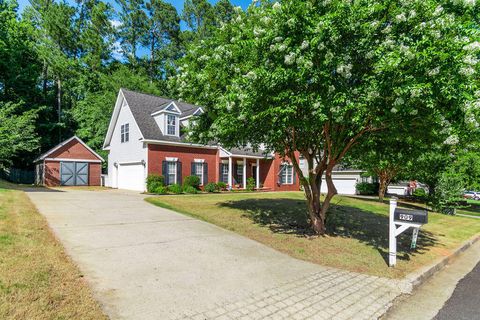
(73, 150)
(271, 175)
(186, 155)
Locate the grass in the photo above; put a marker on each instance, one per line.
(472, 210)
(358, 242)
(37, 278)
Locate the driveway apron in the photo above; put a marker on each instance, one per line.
(145, 262)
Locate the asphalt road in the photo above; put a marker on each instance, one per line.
(465, 300)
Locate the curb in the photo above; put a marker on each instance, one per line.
(415, 279)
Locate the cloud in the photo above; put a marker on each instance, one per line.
(115, 23)
(117, 51)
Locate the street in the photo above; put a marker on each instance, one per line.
(452, 293)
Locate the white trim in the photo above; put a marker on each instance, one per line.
(72, 160)
(257, 171)
(177, 125)
(129, 163)
(244, 173)
(58, 146)
(114, 118)
(180, 144)
(202, 170)
(170, 159)
(165, 109)
(199, 160)
(145, 175)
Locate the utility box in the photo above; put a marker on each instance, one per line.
(412, 216)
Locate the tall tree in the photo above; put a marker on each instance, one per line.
(163, 37)
(223, 11)
(132, 29)
(199, 17)
(314, 77)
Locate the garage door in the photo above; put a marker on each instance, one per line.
(344, 186)
(73, 173)
(131, 177)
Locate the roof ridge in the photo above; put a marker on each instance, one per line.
(148, 94)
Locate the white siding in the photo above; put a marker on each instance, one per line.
(127, 152)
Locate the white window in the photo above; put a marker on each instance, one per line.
(303, 163)
(224, 173)
(124, 132)
(171, 125)
(172, 172)
(240, 173)
(287, 174)
(198, 171)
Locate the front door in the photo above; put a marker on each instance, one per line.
(73, 173)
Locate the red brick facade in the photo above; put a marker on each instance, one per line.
(269, 168)
(71, 151)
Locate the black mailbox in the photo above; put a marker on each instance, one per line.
(413, 216)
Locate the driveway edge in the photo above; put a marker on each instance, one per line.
(417, 278)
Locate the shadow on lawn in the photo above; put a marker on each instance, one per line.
(288, 216)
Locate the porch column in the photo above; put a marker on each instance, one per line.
(258, 174)
(230, 169)
(244, 173)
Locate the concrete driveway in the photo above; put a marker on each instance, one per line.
(145, 262)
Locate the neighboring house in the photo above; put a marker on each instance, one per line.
(70, 163)
(146, 136)
(344, 179)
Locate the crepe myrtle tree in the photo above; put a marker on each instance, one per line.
(315, 76)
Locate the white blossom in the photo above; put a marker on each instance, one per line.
(467, 71)
(345, 70)
(304, 45)
(308, 64)
(414, 112)
(438, 11)
(238, 19)
(258, 32)
(399, 101)
(401, 17)
(290, 58)
(469, 3)
(474, 46)
(331, 89)
(278, 39)
(317, 105)
(393, 110)
(266, 20)
(415, 93)
(434, 71)
(451, 140)
(291, 22)
(412, 14)
(251, 75)
(470, 60)
(282, 47)
(277, 6)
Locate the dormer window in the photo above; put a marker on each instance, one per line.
(124, 132)
(171, 125)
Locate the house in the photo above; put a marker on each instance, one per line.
(345, 179)
(70, 163)
(146, 136)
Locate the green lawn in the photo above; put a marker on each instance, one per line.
(37, 279)
(472, 210)
(359, 242)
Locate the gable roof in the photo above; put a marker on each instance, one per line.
(61, 144)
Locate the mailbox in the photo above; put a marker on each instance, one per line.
(413, 216)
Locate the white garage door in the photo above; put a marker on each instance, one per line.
(344, 186)
(131, 177)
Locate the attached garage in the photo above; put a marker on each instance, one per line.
(131, 176)
(345, 181)
(70, 163)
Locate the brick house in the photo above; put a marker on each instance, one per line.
(70, 163)
(146, 136)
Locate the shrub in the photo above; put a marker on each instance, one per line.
(190, 189)
(211, 187)
(175, 188)
(367, 188)
(153, 182)
(250, 184)
(191, 181)
(222, 186)
(160, 190)
(420, 193)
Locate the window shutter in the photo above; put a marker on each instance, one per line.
(179, 172)
(280, 175)
(235, 175)
(205, 173)
(294, 178)
(220, 176)
(165, 172)
(192, 168)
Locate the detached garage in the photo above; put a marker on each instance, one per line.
(70, 163)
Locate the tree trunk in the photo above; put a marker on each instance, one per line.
(382, 188)
(317, 221)
(59, 107)
(152, 57)
(44, 76)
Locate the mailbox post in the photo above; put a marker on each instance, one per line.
(404, 219)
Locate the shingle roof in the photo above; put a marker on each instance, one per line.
(143, 105)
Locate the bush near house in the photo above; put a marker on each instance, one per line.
(191, 181)
(154, 181)
(367, 188)
(175, 188)
(160, 190)
(420, 194)
(250, 184)
(222, 186)
(190, 189)
(211, 187)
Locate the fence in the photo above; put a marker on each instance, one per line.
(18, 175)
